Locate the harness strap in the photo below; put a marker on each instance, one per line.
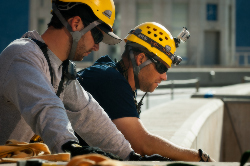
(44, 49)
(60, 87)
(136, 69)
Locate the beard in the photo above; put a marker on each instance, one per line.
(147, 87)
(79, 55)
(80, 51)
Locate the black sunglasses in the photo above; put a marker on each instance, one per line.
(160, 67)
(97, 35)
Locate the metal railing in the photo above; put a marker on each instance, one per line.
(172, 84)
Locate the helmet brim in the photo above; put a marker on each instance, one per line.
(109, 37)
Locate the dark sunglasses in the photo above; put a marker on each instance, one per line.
(160, 67)
(97, 35)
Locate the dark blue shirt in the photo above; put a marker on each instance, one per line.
(109, 87)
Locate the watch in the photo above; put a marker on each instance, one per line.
(203, 155)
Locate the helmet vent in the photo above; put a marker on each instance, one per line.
(148, 27)
(161, 33)
(149, 32)
(107, 13)
(160, 39)
(166, 38)
(154, 29)
(155, 35)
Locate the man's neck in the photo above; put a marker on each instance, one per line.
(58, 41)
(128, 65)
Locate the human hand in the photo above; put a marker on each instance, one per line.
(75, 149)
(205, 157)
(155, 157)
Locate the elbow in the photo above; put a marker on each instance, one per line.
(143, 148)
(140, 151)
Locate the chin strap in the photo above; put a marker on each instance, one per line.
(121, 68)
(136, 68)
(76, 35)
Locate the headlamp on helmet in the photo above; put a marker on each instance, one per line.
(177, 60)
(183, 36)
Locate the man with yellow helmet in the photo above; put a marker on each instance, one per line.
(149, 53)
(39, 93)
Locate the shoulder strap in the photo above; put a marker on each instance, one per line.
(44, 49)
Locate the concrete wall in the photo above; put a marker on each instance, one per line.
(191, 123)
(219, 125)
(235, 131)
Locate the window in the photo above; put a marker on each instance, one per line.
(211, 12)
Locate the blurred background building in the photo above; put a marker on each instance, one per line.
(218, 28)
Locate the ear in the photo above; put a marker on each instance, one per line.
(140, 58)
(76, 23)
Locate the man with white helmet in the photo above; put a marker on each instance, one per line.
(39, 93)
(149, 53)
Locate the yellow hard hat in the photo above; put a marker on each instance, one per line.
(156, 38)
(103, 9)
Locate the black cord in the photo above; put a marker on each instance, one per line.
(138, 106)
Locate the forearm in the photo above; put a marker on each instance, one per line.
(100, 134)
(92, 124)
(158, 145)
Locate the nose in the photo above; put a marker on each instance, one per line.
(164, 76)
(96, 47)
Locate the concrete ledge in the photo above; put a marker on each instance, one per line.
(237, 89)
(210, 76)
(235, 131)
(191, 123)
(233, 91)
